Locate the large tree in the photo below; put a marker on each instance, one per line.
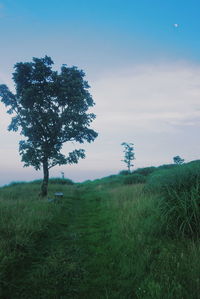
(50, 108)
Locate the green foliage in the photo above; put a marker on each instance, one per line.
(49, 108)
(57, 181)
(153, 265)
(178, 160)
(129, 155)
(60, 181)
(166, 166)
(145, 171)
(134, 179)
(124, 172)
(179, 190)
(16, 183)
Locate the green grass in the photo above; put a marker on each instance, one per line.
(152, 264)
(134, 179)
(179, 193)
(103, 240)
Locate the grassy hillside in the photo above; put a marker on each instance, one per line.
(110, 238)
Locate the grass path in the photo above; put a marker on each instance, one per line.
(74, 259)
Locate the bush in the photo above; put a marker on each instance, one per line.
(36, 182)
(16, 183)
(145, 171)
(166, 166)
(134, 179)
(112, 176)
(60, 181)
(124, 172)
(179, 190)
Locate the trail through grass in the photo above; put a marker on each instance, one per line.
(100, 241)
(70, 258)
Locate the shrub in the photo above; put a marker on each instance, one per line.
(60, 181)
(37, 182)
(179, 190)
(166, 166)
(124, 172)
(112, 176)
(145, 171)
(134, 179)
(16, 183)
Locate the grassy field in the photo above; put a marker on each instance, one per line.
(110, 238)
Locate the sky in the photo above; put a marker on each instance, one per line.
(144, 74)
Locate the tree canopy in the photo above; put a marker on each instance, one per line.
(178, 160)
(49, 108)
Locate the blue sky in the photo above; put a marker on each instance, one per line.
(144, 75)
(100, 33)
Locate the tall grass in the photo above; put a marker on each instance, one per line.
(104, 240)
(152, 264)
(22, 224)
(25, 223)
(179, 193)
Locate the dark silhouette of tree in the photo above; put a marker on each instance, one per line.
(50, 108)
(129, 155)
(178, 160)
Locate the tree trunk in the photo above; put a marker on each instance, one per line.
(44, 186)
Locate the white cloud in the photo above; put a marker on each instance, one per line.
(150, 95)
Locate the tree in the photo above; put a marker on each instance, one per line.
(50, 108)
(178, 160)
(129, 155)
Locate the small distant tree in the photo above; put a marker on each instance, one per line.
(129, 155)
(49, 108)
(177, 160)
